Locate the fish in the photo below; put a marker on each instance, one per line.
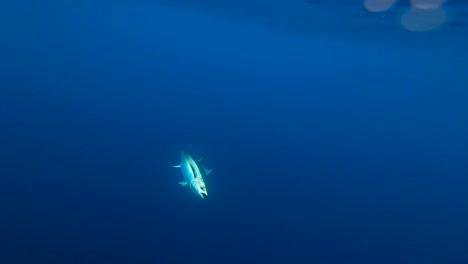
(193, 173)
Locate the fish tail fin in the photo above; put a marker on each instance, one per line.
(187, 148)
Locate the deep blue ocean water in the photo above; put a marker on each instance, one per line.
(336, 134)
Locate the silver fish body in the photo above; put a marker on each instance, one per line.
(193, 174)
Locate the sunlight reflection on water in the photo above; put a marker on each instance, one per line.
(422, 15)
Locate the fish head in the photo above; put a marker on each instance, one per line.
(200, 188)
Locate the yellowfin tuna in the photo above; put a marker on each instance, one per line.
(193, 174)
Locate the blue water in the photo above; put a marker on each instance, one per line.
(335, 134)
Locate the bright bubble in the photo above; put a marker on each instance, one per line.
(423, 19)
(427, 4)
(378, 5)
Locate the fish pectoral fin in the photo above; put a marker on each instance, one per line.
(183, 183)
(207, 171)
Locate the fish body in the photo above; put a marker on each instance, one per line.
(193, 173)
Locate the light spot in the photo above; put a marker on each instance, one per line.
(417, 19)
(378, 5)
(427, 4)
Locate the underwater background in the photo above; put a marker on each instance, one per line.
(337, 131)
